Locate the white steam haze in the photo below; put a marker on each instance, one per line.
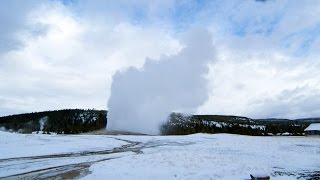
(42, 122)
(142, 99)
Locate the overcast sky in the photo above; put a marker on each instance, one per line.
(62, 54)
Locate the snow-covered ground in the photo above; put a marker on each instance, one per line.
(198, 156)
(22, 145)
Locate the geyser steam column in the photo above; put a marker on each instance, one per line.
(142, 99)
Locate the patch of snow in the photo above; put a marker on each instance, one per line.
(286, 134)
(43, 132)
(313, 127)
(261, 127)
(217, 124)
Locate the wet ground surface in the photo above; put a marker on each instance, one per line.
(72, 170)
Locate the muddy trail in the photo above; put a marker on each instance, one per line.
(73, 170)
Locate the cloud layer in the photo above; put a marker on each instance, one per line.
(63, 54)
(71, 65)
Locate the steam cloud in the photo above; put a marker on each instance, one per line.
(142, 99)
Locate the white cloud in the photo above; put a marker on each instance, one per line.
(13, 19)
(54, 56)
(262, 56)
(73, 63)
(246, 88)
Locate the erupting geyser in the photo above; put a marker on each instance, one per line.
(142, 99)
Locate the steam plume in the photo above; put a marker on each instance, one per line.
(142, 99)
(42, 122)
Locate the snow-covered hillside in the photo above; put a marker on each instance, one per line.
(198, 156)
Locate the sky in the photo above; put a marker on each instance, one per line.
(57, 54)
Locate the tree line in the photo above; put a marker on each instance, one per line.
(179, 124)
(67, 121)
